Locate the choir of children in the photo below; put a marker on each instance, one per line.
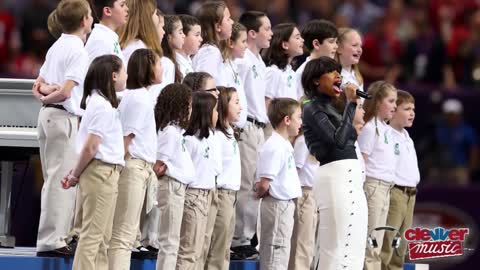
(192, 123)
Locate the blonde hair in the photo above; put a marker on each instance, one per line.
(342, 35)
(140, 26)
(67, 17)
(379, 90)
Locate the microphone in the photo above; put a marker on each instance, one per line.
(362, 94)
(358, 92)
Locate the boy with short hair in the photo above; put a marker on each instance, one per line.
(407, 177)
(252, 72)
(320, 39)
(111, 14)
(193, 41)
(278, 184)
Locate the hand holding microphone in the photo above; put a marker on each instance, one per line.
(352, 92)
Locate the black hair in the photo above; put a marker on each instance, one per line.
(99, 78)
(251, 20)
(188, 22)
(223, 100)
(314, 70)
(203, 104)
(170, 22)
(141, 68)
(319, 30)
(98, 6)
(276, 54)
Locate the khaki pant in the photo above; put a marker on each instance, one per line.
(276, 218)
(171, 199)
(192, 232)
(305, 221)
(246, 211)
(57, 130)
(378, 201)
(131, 195)
(400, 216)
(98, 187)
(221, 222)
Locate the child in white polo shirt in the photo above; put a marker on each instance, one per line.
(280, 78)
(111, 14)
(59, 87)
(202, 144)
(251, 70)
(138, 124)
(193, 40)
(101, 159)
(376, 145)
(214, 17)
(407, 177)
(174, 167)
(278, 184)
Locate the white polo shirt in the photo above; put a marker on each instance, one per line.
(168, 77)
(298, 78)
(306, 163)
(67, 59)
(232, 79)
(184, 63)
(406, 168)
(349, 77)
(252, 71)
(230, 177)
(172, 150)
(209, 59)
(276, 163)
(205, 154)
(101, 119)
(102, 41)
(131, 47)
(379, 149)
(280, 83)
(137, 117)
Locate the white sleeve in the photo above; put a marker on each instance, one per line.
(300, 153)
(267, 166)
(168, 71)
(191, 143)
(242, 68)
(166, 144)
(209, 59)
(100, 122)
(133, 115)
(273, 82)
(96, 48)
(366, 139)
(76, 67)
(298, 78)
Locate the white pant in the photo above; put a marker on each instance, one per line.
(343, 217)
(57, 130)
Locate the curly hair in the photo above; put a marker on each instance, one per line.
(173, 106)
